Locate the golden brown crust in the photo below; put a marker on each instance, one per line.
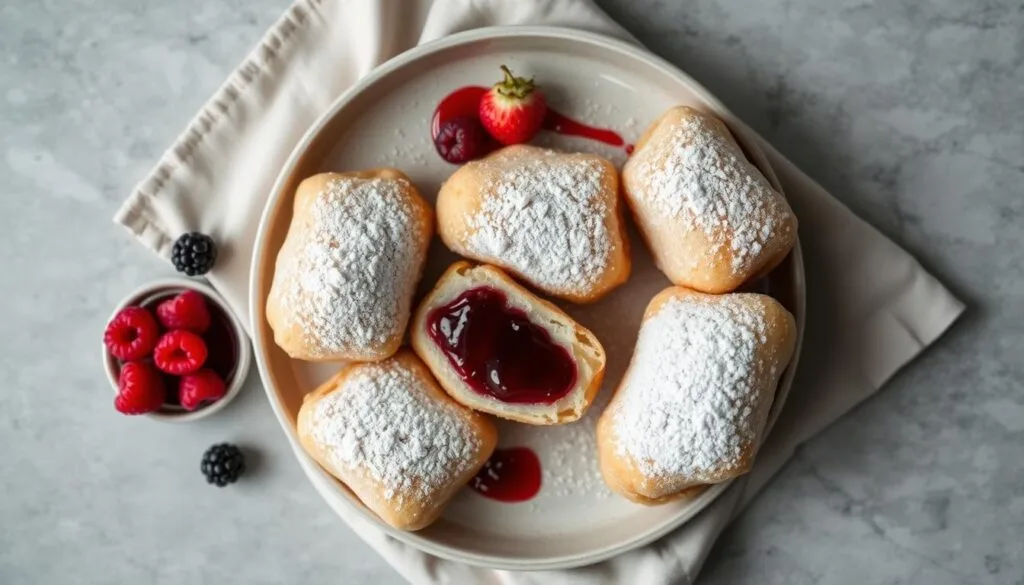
(624, 478)
(582, 344)
(463, 194)
(405, 511)
(621, 472)
(288, 332)
(690, 257)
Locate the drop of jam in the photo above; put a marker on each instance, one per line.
(498, 351)
(510, 475)
(465, 101)
(222, 346)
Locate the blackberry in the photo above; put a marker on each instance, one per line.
(194, 253)
(223, 464)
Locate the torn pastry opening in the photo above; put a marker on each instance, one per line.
(498, 348)
(499, 351)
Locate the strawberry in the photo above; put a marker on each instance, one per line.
(513, 110)
(140, 389)
(200, 388)
(180, 352)
(131, 334)
(186, 311)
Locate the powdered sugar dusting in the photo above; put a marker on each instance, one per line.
(689, 406)
(383, 423)
(348, 284)
(545, 220)
(571, 469)
(705, 180)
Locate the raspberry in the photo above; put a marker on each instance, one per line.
(200, 388)
(131, 334)
(186, 311)
(462, 139)
(140, 389)
(180, 352)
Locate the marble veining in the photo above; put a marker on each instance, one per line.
(909, 112)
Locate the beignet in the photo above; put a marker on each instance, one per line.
(709, 217)
(497, 348)
(389, 433)
(349, 265)
(552, 219)
(694, 401)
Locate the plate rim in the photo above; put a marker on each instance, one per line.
(317, 476)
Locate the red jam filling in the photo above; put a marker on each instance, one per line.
(498, 351)
(510, 475)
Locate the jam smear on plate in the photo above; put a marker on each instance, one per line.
(498, 351)
(510, 475)
(562, 124)
(465, 101)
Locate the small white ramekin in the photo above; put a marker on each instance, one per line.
(175, 286)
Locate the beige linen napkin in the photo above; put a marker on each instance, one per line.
(871, 307)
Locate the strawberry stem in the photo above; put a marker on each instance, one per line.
(509, 78)
(512, 86)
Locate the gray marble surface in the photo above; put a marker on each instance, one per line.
(910, 112)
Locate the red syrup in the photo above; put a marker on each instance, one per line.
(221, 344)
(465, 101)
(498, 351)
(562, 124)
(510, 475)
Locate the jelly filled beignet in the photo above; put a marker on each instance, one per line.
(497, 348)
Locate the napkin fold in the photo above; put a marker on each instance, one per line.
(871, 306)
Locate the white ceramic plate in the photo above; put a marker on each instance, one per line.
(384, 121)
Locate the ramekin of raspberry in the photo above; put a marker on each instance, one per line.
(173, 350)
